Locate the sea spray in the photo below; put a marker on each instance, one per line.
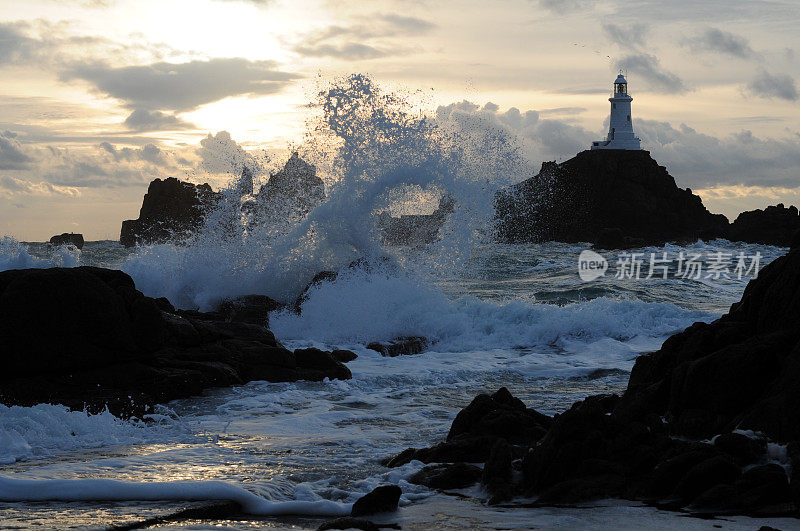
(377, 149)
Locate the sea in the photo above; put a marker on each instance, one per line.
(523, 316)
(294, 454)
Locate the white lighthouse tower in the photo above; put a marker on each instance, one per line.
(620, 128)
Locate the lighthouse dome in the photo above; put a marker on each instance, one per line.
(620, 79)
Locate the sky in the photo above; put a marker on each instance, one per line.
(99, 97)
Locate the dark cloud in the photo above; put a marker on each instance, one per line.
(629, 35)
(718, 41)
(15, 45)
(181, 86)
(766, 85)
(11, 155)
(144, 120)
(647, 67)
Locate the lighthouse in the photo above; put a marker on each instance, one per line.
(620, 128)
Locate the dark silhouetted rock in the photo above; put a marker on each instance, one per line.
(348, 522)
(497, 473)
(401, 346)
(171, 210)
(775, 225)
(289, 194)
(87, 337)
(447, 476)
(68, 238)
(615, 198)
(383, 499)
(742, 449)
(344, 356)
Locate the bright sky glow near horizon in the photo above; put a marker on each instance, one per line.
(99, 97)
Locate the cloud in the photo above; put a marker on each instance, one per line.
(566, 6)
(15, 45)
(221, 154)
(350, 50)
(370, 38)
(181, 86)
(11, 155)
(11, 186)
(149, 153)
(648, 68)
(144, 120)
(718, 41)
(766, 85)
(630, 36)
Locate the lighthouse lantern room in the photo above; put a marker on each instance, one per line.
(620, 127)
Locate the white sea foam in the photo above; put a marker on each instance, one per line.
(15, 255)
(18, 490)
(45, 430)
(362, 307)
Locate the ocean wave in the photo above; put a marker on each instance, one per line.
(359, 307)
(45, 430)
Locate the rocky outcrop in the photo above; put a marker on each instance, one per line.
(674, 438)
(295, 189)
(171, 210)
(614, 197)
(86, 337)
(68, 238)
(775, 225)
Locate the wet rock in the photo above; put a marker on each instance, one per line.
(447, 476)
(317, 365)
(467, 449)
(499, 416)
(775, 225)
(497, 473)
(344, 356)
(381, 500)
(348, 522)
(714, 471)
(742, 449)
(68, 238)
(401, 346)
(319, 278)
(415, 229)
(87, 337)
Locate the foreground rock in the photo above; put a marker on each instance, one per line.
(68, 238)
(415, 229)
(615, 198)
(671, 438)
(87, 337)
(382, 499)
(775, 225)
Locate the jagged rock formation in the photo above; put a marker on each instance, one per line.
(171, 210)
(86, 337)
(673, 437)
(68, 238)
(775, 225)
(289, 194)
(600, 192)
(415, 229)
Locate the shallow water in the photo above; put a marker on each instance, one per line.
(514, 316)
